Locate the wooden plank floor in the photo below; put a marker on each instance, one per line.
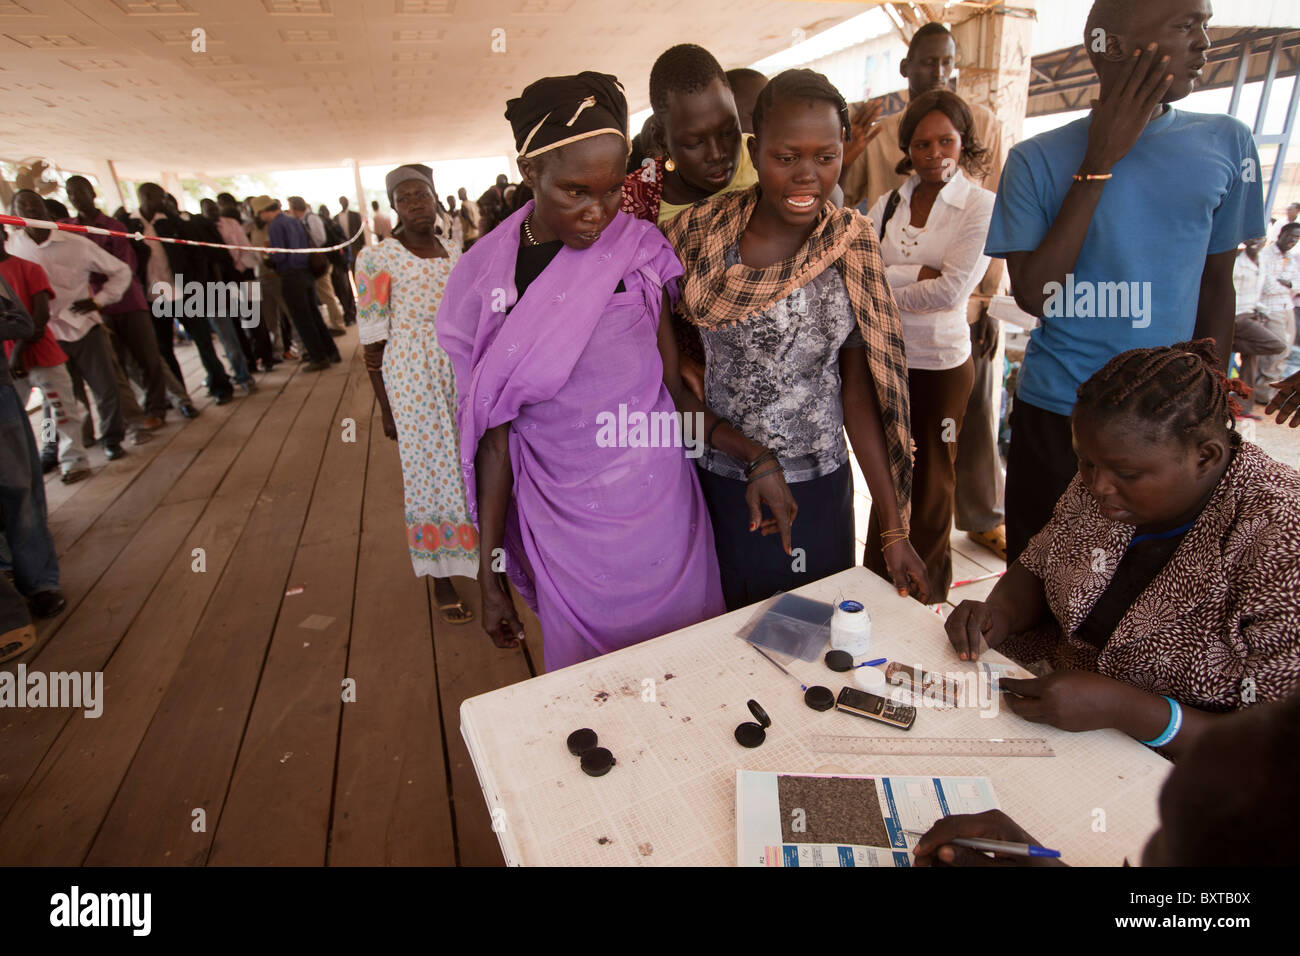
(225, 738)
(229, 578)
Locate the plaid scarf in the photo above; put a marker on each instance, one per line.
(715, 296)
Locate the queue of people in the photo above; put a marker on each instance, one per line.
(93, 319)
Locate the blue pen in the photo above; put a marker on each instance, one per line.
(878, 660)
(1001, 846)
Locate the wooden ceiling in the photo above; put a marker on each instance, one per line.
(283, 84)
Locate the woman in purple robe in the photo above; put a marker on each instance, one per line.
(577, 468)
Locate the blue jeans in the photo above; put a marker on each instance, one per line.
(224, 326)
(13, 609)
(22, 500)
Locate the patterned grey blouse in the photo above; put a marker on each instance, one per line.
(776, 378)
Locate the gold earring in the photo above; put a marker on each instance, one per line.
(669, 164)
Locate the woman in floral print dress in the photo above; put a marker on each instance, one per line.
(1165, 591)
(399, 285)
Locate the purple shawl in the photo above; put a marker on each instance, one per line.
(611, 545)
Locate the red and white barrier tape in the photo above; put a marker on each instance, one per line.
(982, 577)
(139, 236)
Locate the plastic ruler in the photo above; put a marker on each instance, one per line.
(958, 746)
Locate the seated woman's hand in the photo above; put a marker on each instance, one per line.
(1067, 699)
(936, 848)
(928, 273)
(974, 626)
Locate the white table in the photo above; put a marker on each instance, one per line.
(670, 800)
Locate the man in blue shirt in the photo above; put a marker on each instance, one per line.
(1120, 231)
(299, 286)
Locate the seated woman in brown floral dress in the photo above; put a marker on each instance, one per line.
(1165, 591)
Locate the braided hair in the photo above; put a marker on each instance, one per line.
(1179, 388)
(800, 85)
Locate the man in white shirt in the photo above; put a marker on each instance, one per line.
(69, 261)
(383, 225)
(1252, 335)
(324, 288)
(1281, 277)
(1275, 225)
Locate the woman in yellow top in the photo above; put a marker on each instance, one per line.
(696, 134)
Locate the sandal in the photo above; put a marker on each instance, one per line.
(16, 642)
(995, 540)
(74, 476)
(465, 614)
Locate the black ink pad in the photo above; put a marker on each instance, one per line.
(596, 762)
(819, 698)
(580, 741)
(751, 734)
(839, 661)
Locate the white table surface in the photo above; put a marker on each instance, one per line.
(670, 800)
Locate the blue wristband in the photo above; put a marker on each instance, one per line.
(1171, 729)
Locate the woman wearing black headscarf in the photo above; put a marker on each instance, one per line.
(399, 286)
(554, 323)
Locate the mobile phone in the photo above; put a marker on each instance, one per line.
(933, 686)
(874, 707)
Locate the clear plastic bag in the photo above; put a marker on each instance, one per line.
(791, 625)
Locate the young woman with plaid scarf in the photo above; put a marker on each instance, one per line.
(803, 342)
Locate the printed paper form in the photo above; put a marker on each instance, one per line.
(842, 820)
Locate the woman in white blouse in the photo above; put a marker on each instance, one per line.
(932, 237)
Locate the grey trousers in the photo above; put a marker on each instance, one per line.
(134, 339)
(325, 292)
(1263, 339)
(126, 400)
(92, 354)
(273, 311)
(56, 420)
(980, 484)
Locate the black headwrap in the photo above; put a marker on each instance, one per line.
(557, 110)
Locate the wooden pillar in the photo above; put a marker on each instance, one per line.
(363, 207)
(995, 47)
(171, 182)
(109, 185)
(994, 51)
